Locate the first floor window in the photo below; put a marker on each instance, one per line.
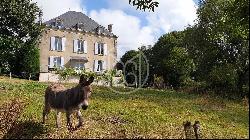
(100, 48)
(80, 46)
(58, 43)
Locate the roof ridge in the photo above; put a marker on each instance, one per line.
(71, 18)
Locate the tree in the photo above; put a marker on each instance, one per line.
(29, 64)
(220, 42)
(178, 66)
(144, 4)
(169, 58)
(19, 34)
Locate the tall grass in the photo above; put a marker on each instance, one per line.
(146, 113)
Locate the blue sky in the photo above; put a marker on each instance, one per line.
(133, 27)
(104, 4)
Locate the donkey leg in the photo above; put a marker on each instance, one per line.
(46, 111)
(58, 119)
(79, 116)
(69, 123)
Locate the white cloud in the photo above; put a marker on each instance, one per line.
(54, 8)
(170, 15)
(131, 34)
(173, 15)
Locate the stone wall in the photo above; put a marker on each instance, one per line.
(55, 78)
(45, 51)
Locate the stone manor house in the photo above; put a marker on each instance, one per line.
(75, 40)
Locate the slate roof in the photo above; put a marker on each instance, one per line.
(71, 18)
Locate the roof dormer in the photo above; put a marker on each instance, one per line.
(79, 26)
(58, 22)
(98, 29)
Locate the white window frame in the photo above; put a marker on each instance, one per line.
(80, 46)
(55, 61)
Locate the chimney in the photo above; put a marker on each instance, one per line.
(110, 28)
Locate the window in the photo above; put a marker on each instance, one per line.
(79, 66)
(98, 30)
(99, 65)
(100, 48)
(58, 23)
(57, 61)
(58, 43)
(80, 47)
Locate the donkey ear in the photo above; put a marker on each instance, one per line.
(82, 79)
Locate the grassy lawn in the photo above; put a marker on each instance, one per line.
(147, 113)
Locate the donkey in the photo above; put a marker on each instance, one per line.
(67, 100)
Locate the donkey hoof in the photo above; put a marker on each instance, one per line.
(70, 127)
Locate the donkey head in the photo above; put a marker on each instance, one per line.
(86, 89)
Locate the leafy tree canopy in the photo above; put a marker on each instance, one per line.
(19, 35)
(144, 4)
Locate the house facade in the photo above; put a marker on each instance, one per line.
(75, 40)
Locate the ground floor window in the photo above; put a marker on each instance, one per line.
(57, 61)
(79, 65)
(99, 65)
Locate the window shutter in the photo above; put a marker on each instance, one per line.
(104, 65)
(105, 47)
(75, 48)
(96, 48)
(63, 43)
(52, 43)
(51, 61)
(85, 46)
(62, 62)
(95, 65)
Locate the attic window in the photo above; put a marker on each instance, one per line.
(79, 26)
(58, 23)
(98, 30)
